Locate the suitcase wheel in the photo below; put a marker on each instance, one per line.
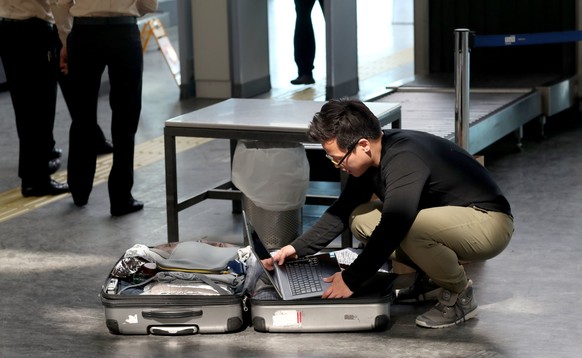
(259, 324)
(381, 322)
(112, 326)
(234, 324)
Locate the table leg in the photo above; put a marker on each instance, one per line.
(171, 188)
(397, 124)
(236, 204)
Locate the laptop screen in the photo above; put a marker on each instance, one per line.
(259, 249)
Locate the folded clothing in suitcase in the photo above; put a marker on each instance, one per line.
(175, 289)
(369, 310)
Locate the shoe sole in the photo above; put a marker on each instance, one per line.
(119, 213)
(467, 317)
(125, 212)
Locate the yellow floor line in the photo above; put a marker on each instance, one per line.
(12, 204)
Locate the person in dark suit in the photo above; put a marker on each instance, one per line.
(28, 53)
(104, 145)
(304, 41)
(103, 34)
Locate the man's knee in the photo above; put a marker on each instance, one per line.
(364, 220)
(358, 228)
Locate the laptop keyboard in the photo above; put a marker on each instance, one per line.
(304, 276)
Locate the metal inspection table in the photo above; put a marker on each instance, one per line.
(245, 119)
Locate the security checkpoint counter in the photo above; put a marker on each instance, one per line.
(245, 119)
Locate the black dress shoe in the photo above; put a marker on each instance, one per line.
(55, 153)
(131, 207)
(80, 201)
(303, 80)
(105, 148)
(51, 188)
(54, 165)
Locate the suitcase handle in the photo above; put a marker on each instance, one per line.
(171, 314)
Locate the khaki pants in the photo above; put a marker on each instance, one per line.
(440, 237)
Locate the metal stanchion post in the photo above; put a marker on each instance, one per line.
(462, 88)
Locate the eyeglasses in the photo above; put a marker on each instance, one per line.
(350, 149)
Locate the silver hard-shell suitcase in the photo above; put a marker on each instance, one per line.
(173, 315)
(192, 303)
(322, 315)
(367, 311)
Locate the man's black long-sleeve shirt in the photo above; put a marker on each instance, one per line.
(417, 171)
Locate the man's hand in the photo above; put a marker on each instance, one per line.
(63, 63)
(279, 257)
(338, 288)
(286, 251)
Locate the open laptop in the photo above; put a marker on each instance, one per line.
(295, 279)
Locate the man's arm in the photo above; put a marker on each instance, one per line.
(146, 6)
(336, 218)
(63, 19)
(405, 182)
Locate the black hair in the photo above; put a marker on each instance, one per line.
(346, 120)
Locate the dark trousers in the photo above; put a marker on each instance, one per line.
(28, 52)
(67, 90)
(304, 38)
(90, 49)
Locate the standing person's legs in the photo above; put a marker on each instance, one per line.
(29, 59)
(103, 145)
(125, 75)
(86, 66)
(304, 40)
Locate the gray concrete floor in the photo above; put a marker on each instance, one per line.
(54, 259)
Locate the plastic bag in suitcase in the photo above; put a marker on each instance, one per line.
(158, 291)
(370, 311)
